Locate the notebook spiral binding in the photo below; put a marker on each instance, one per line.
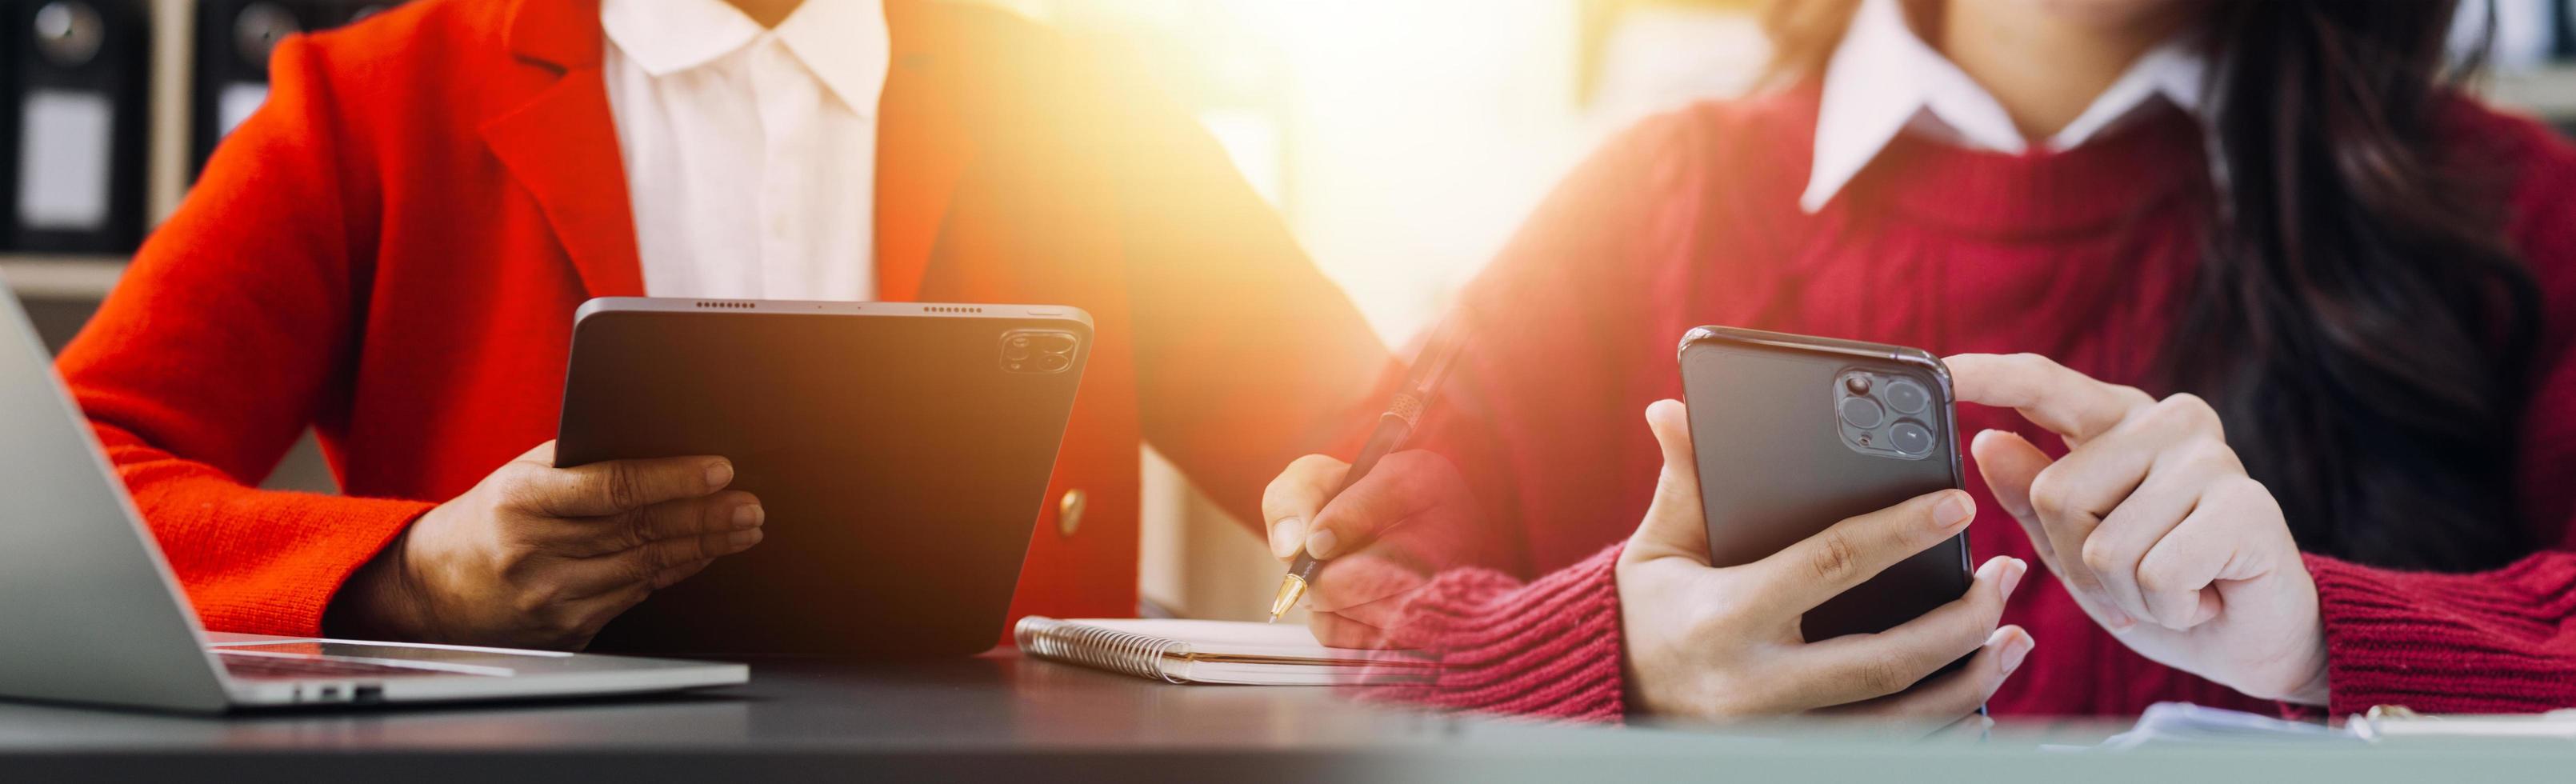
(1092, 646)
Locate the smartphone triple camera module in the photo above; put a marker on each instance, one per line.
(1884, 413)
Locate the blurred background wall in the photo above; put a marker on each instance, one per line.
(1403, 140)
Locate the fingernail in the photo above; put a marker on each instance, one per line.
(1953, 511)
(1320, 544)
(719, 473)
(748, 516)
(2013, 573)
(744, 538)
(1285, 535)
(2017, 650)
(2118, 621)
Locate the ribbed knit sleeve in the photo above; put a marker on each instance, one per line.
(235, 330)
(1547, 648)
(2493, 642)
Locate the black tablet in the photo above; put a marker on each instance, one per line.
(900, 450)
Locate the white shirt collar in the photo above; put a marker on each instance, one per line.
(844, 42)
(1884, 78)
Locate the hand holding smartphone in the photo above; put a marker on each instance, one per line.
(1727, 642)
(1794, 433)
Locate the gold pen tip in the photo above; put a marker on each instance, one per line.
(1290, 588)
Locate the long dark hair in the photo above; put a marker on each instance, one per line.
(2359, 321)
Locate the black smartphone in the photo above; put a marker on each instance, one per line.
(1795, 433)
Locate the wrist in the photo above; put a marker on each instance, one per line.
(2315, 693)
(2316, 689)
(2297, 673)
(381, 600)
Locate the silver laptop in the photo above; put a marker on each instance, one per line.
(89, 612)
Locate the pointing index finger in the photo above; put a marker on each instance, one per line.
(2066, 402)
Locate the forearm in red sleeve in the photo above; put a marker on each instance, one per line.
(230, 335)
(1548, 648)
(1246, 355)
(2492, 642)
(251, 560)
(1540, 409)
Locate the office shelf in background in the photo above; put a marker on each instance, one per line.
(2548, 92)
(81, 278)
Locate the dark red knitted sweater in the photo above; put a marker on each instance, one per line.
(2080, 255)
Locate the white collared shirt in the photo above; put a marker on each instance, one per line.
(750, 153)
(1885, 80)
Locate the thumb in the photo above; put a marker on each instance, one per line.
(1675, 525)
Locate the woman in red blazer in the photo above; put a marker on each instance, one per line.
(391, 250)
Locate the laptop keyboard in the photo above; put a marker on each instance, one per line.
(265, 667)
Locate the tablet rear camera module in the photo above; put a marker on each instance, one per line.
(1038, 351)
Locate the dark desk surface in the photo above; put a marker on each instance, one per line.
(1002, 717)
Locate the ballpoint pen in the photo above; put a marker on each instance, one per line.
(1403, 414)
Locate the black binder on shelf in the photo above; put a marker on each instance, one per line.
(9, 69)
(233, 41)
(2562, 32)
(78, 112)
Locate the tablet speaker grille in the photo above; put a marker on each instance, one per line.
(724, 305)
(937, 309)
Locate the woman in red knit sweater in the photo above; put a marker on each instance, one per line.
(2347, 292)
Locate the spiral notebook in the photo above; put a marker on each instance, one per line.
(1185, 651)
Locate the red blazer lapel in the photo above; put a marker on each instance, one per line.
(562, 145)
(923, 146)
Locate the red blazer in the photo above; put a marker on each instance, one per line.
(391, 250)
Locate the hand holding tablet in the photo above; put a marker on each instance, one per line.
(900, 453)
